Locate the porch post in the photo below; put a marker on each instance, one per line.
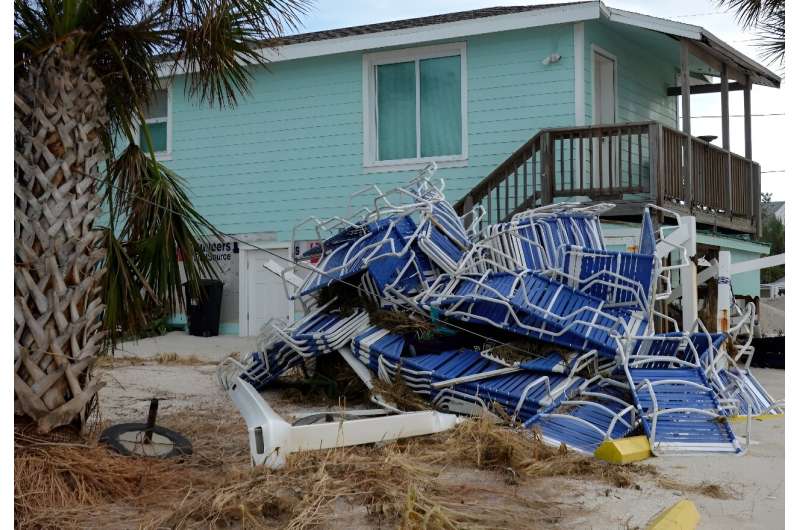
(748, 154)
(724, 293)
(748, 139)
(688, 186)
(726, 136)
(548, 168)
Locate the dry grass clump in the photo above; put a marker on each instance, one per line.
(400, 322)
(400, 394)
(173, 358)
(707, 489)
(110, 361)
(56, 482)
(166, 358)
(462, 478)
(486, 445)
(400, 484)
(389, 485)
(521, 350)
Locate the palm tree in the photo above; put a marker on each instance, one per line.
(768, 19)
(84, 73)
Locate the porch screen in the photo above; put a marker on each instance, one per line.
(419, 108)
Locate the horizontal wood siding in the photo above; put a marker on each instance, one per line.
(294, 146)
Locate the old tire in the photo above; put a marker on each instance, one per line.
(128, 439)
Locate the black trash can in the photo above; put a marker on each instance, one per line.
(202, 313)
(769, 352)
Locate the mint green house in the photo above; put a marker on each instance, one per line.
(518, 106)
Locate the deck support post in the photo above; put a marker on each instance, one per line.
(748, 154)
(548, 169)
(748, 137)
(466, 210)
(688, 185)
(724, 293)
(654, 137)
(726, 137)
(688, 276)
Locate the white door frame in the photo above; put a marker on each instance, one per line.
(613, 58)
(244, 278)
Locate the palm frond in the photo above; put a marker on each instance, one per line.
(749, 12)
(771, 35)
(134, 43)
(155, 233)
(126, 294)
(217, 42)
(767, 18)
(164, 230)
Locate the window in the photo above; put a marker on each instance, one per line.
(415, 106)
(157, 118)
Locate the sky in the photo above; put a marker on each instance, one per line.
(769, 132)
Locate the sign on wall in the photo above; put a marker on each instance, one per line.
(220, 251)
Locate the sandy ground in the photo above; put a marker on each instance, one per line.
(772, 319)
(756, 479)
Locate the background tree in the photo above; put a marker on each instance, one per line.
(84, 72)
(773, 233)
(768, 19)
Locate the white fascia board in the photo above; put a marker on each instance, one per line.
(730, 50)
(450, 30)
(679, 29)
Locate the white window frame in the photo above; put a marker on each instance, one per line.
(370, 106)
(162, 155)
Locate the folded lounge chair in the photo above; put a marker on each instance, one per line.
(622, 279)
(318, 333)
(678, 407)
(531, 304)
(602, 410)
(384, 243)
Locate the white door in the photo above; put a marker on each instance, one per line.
(604, 113)
(266, 297)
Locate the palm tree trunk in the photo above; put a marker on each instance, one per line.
(59, 115)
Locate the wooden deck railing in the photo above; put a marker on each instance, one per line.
(629, 164)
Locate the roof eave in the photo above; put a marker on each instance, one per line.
(559, 14)
(760, 74)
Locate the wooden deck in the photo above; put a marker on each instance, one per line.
(629, 164)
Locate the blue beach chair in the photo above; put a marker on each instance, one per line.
(601, 411)
(679, 409)
(622, 279)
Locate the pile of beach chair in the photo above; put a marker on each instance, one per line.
(534, 320)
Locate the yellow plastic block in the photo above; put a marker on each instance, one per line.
(624, 450)
(762, 417)
(682, 515)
